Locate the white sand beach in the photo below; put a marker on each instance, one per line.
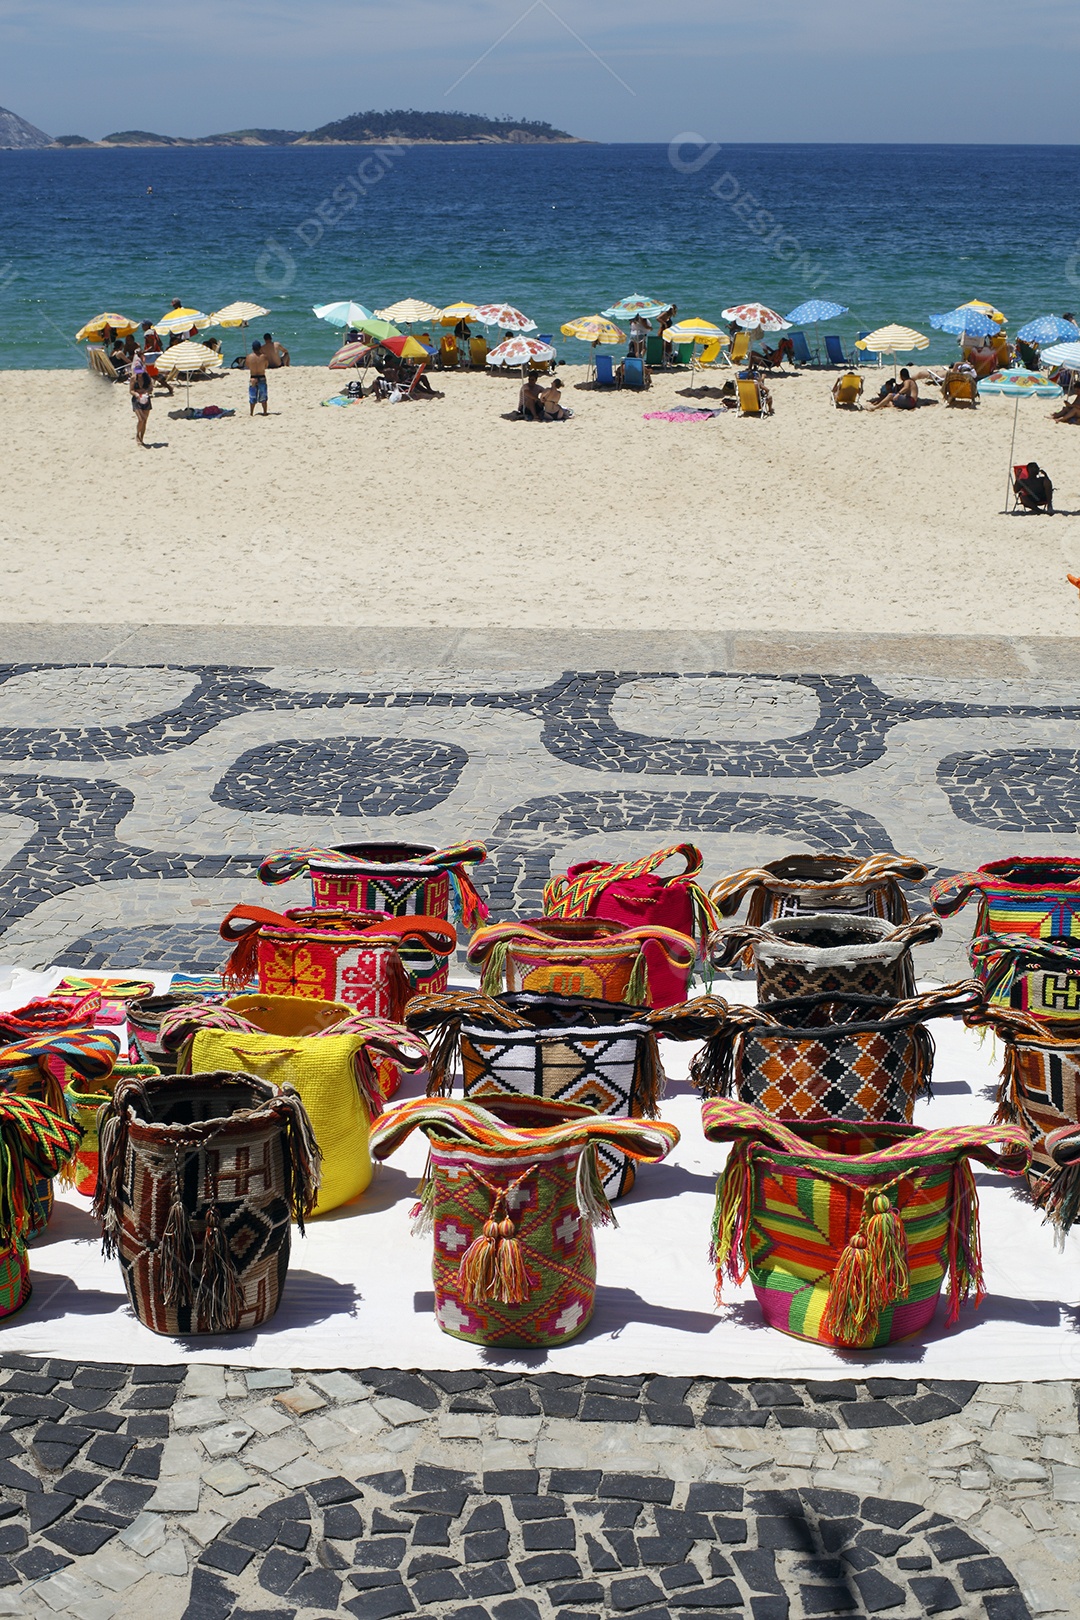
(444, 513)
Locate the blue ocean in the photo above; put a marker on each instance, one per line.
(894, 232)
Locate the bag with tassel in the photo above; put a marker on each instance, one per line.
(826, 952)
(867, 886)
(567, 1049)
(1040, 1081)
(511, 1193)
(580, 956)
(397, 879)
(634, 893)
(144, 1025)
(41, 1067)
(199, 1178)
(1032, 895)
(1058, 1192)
(35, 1143)
(84, 1100)
(350, 956)
(1040, 977)
(818, 1058)
(342, 1064)
(847, 1232)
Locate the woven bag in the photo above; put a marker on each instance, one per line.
(1024, 894)
(567, 1049)
(1040, 977)
(1039, 1088)
(35, 1142)
(511, 1194)
(84, 1100)
(144, 1025)
(342, 1064)
(397, 879)
(350, 956)
(48, 1013)
(847, 1232)
(199, 1178)
(819, 1058)
(1058, 1192)
(633, 893)
(577, 957)
(826, 951)
(800, 883)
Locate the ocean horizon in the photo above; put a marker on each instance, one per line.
(896, 232)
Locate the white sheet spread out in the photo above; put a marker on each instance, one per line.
(359, 1291)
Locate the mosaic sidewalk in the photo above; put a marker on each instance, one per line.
(135, 802)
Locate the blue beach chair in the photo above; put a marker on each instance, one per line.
(634, 373)
(800, 349)
(605, 372)
(869, 358)
(835, 351)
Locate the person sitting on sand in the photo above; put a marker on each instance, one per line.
(772, 359)
(1069, 412)
(530, 400)
(850, 383)
(1034, 490)
(277, 355)
(1027, 354)
(551, 398)
(413, 380)
(255, 365)
(904, 397)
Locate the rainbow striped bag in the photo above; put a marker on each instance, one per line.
(512, 1193)
(35, 1142)
(397, 880)
(1023, 894)
(847, 1231)
(84, 1100)
(580, 956)
(1039, 977)
(145, 1017)
(869, 886)
(819, 952)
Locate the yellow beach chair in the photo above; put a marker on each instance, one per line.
(478, 352)
(449, 358)
(961, 391)
(739, 349)
(751, 400)
(708, 355)
(98, 361)
(848, 391)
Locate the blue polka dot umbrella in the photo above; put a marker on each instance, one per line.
(814, 310)
(1049, 329)
(965, 322)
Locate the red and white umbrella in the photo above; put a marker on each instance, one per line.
(350, 355)
(504, 315)
(518, 351)
(756, 317)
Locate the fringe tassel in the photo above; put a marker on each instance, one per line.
(367, 1083)
(651, 1079)
(1057, 1194)
(965, 1252)
(177, 1251)
(467, 906)
(112, 1151)
(1007, 1112)
(924, 1061)
(592, 1200)
(444, 1056)
(422, 1213)
(303, 1157)
(887, 1247)
(219, 1299)
(637, 989)
(240, 968)
(492, 1269)
(870, 1275)
(729, 1249)
(713, 1064)
(398, 986)
(493, 979)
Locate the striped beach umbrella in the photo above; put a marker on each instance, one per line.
(504, 316)
(237, 314)
(755, 317)
(636, 304)
(407, 311)
(1063, 354)
(350, 355)
(181, 320)
(186, 358)
(461, 311)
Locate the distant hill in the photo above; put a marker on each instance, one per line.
(16, 135)
(361, 129)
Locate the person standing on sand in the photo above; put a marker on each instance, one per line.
(255, 365)
(142, 402)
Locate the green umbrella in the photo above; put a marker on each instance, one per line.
(377, 329)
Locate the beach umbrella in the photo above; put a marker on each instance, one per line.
(181, 320)
(237, 314)
(350, 355)
(186, 358)
(1018, 384)
(987, 309)
(755, 318)
(893, 340)
(519, 350)
(965, 322)
(1049, 329)
(408, 348)
(593, 329)
(408, 310)
(376, 328)
(815, 310)
(505, 316)
(1063, 354)
(636, 304)
(344, 313)
(461, 311)
(696, 330)
(122, 325)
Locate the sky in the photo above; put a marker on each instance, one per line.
(608, 70)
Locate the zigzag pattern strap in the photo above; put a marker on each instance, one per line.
(90, 1052)
(694, 1020)
(643, 1139)
(436, 1011)
(679, 949)
(575, 896)
(1014, 1025)
(1047, 952)
(284, 864)
(792, 1014)
(50, 1012)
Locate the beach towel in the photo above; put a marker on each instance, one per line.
(681, 414)
(826, 951)
(511, 1195)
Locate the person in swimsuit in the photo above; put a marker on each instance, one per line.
(277, 354)
(255, 365)
(530, 401)
(551, 399)
(142, 402)
(903, 398)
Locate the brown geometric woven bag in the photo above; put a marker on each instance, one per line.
(826, 952)
(798, 883)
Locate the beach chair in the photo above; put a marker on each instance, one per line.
(449, 359)
(800, 349)
(739, 349)
(834, 350)
(708, 355)
(634, 373)
(684, 354)
(605, 372)
(751, 402)
(1003, 351)
(99, 362)
(869, 357)
(416, 376)
(478, 352)
(848, 391)
(654, 350)
(961, 391)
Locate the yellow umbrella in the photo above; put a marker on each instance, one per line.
(181, 320)
(408, 310)
(987, 309)
(453, 313)
(593, 329)
(236, 314)
(696, 330)
(122, 325)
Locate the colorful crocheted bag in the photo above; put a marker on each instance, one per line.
(1023, 894)
(396, 879)
(799, 883)
(199, 1178)
(45, 1014)
(581, 956)
(35, 1142)
(343, 1066)
(818, 1058)
(847, 1232)
(1058, 1192)
(567, 1049)
(512, 1192)
(632, 893)
(350, 956)
(1040, 977)
(84, 1100)
(826, 951)
(1039, 1088)
(144, 1025)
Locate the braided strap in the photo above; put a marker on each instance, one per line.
(35, 1142)
(647, 1140)
(1006, 878)
(469, 907)
(742, 942)
(728, 894)
(489, 948)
